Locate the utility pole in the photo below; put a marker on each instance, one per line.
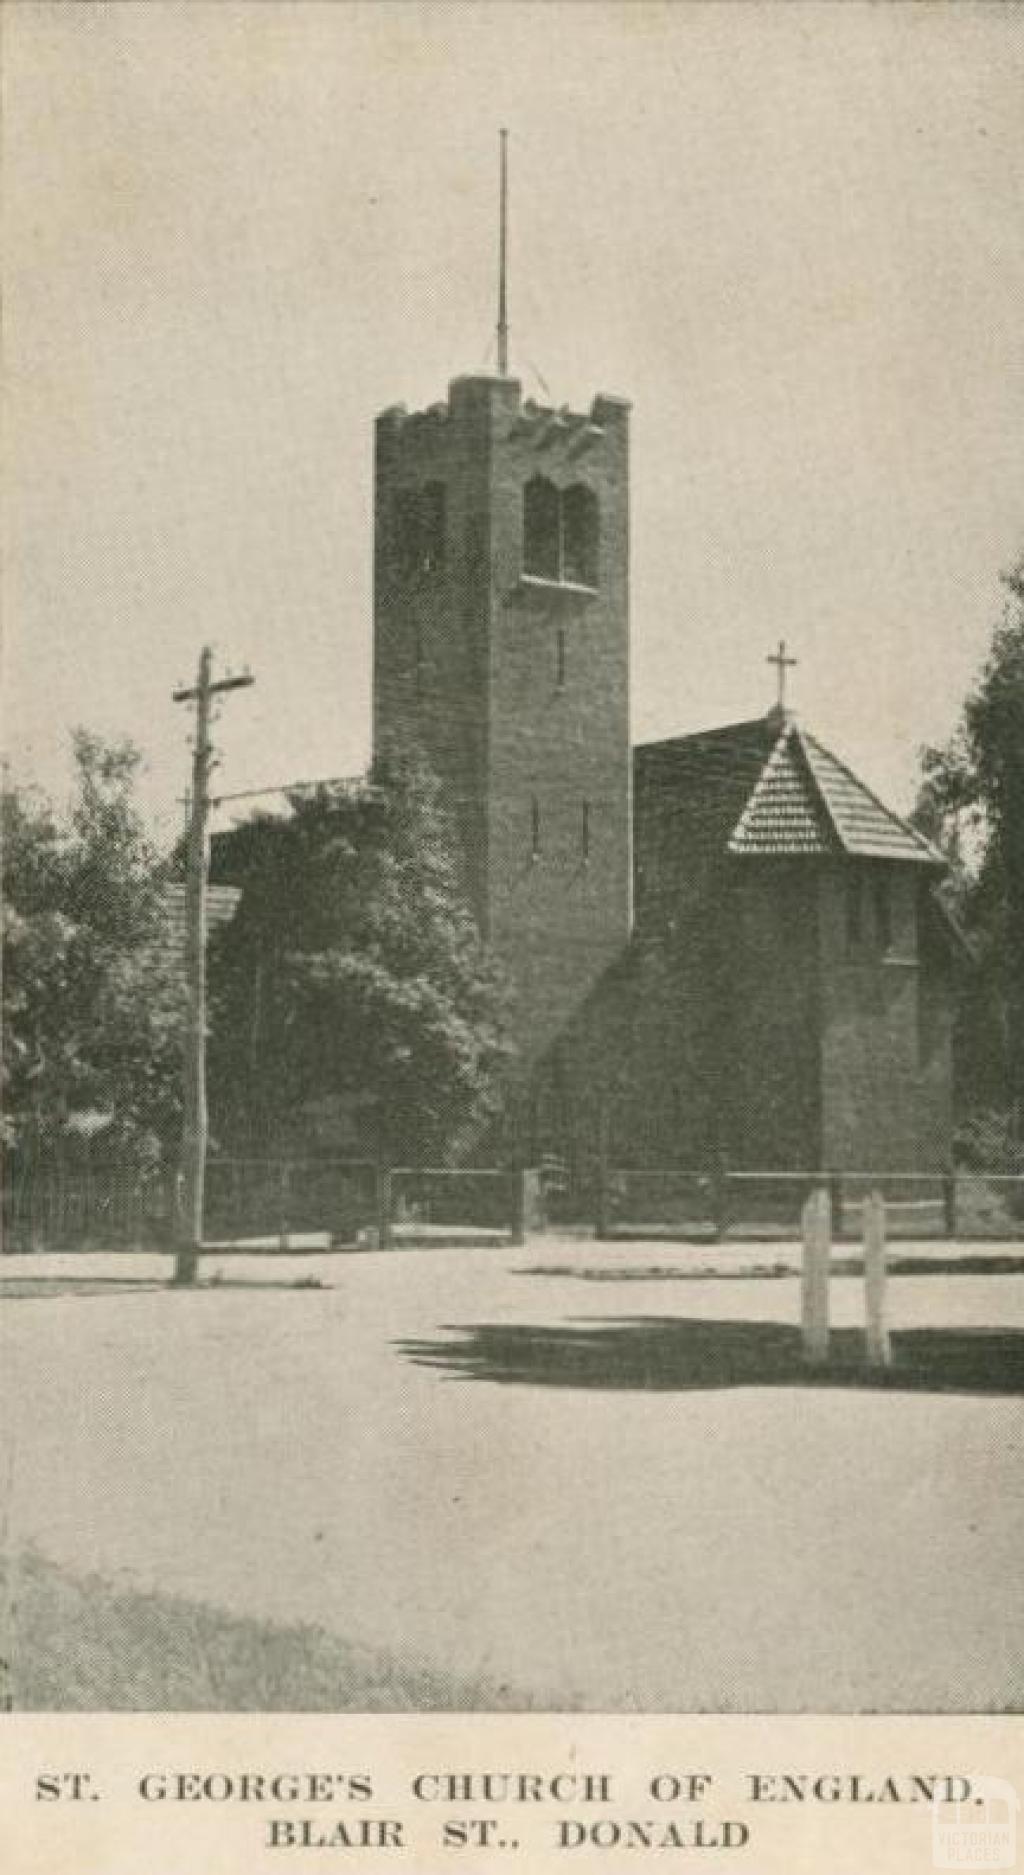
(190, 1215)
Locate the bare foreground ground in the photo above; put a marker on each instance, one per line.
(570, 1475)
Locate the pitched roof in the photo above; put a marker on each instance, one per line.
(694, 788)
(862, 824)
(783, 814)
(769, 789)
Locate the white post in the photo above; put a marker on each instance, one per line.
(876, 1332)
(816, 1224)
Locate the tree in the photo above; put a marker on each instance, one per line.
(353, 972)
(91, 992)
(972, 802)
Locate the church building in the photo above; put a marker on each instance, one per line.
(719, 945)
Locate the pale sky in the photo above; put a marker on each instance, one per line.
(791, 234)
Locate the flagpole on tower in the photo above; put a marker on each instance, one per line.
(503, 263)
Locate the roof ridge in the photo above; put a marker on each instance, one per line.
(802, 737)
(702, 735)
(889, 812)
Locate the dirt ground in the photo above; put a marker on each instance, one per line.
(595, 1473)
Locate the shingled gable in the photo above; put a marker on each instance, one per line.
(806, 801)
(768, 789)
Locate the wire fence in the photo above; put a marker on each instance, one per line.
(264, 1204)
(296, 1204)
(283, 1202)
(755, 1206)
(103, 1206)
(463, 1203)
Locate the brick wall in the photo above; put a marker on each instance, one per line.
(516, 689)
(886, 1071)
(431, 624)
(768, 1049)
(741, 1023)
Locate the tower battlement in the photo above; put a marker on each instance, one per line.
(545, 423)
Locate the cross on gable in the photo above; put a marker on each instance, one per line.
(782, 664)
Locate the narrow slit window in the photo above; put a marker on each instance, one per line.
(585, 832)
(560, 659)
(534, 828)
(407, 529)
(432, 528)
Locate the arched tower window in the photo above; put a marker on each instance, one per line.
(406, 526)
(432, 527)
(542, 529)
(560, 532)
(420, 528)
(579, 535)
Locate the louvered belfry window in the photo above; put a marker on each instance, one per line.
(560, 533)
(421, 528)
(579, 536)
(542, 529)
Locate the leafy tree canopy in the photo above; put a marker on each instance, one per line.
(353, 972)
(972, 801)
(91, 993)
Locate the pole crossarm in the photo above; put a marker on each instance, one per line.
(241, 682)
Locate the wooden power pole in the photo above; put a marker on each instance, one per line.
(194, 1137)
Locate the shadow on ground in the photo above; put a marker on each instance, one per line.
(21, 1288)
(987, 1263)
(653, 1354)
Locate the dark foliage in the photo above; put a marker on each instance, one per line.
(352, 976)
(91, 995)
(972, 802)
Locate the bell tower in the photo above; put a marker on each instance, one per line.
(501, 652)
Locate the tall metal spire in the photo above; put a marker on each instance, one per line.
(503, 263)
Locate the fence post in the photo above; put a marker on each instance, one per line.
(720, 1196)
(237, 1200)
(90, 1206)
(949, 1203)
(876, 1332)
(601, 1201)
(601, 1183)
(517, 1206)
(835, 1199)
(284, 1189)
(815, 1223)
(384, 1208)
(186, 1260)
